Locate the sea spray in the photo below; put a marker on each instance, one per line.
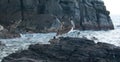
(110, 36)
(22, 43)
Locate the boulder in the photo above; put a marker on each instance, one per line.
(67, 50)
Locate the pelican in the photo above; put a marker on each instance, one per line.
(1, 27)
(73, 26)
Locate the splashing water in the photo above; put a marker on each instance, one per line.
(12, 45)
(110, 36)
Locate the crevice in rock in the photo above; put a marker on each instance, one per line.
(22, 10)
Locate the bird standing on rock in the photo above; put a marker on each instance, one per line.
(1, 27)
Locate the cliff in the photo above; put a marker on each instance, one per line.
(54, 15)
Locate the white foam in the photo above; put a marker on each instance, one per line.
(12, 45)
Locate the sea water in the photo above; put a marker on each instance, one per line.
(22, 43)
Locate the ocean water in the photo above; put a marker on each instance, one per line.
(18, 44)
(22, 43)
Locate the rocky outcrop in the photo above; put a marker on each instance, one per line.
(39, 15)
(4, 33)
(67, 50)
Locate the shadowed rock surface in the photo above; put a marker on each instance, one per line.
(5, 33)
(67, 50)
(43, 15)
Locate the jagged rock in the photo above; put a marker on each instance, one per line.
(67, 50)
(5, 34)
(86, 14)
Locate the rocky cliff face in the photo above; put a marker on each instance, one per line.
(67, 50)
(47, 15)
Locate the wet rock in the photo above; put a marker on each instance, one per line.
(2, 45)
(67, 50)
(5, 34)
(36, 15)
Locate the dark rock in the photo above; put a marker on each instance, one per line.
(2, 45)
(67, 50)
(5, 34)
(36, 15)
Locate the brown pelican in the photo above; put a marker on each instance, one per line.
(64, 30)
(1, 27)
(73, 26)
